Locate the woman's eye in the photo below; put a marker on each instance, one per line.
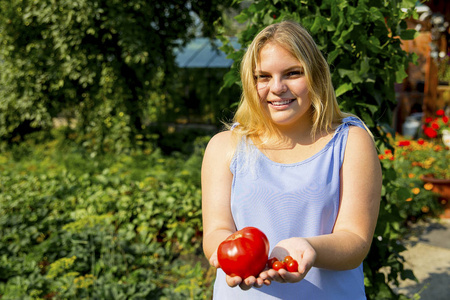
(294, 73)
(261, 77)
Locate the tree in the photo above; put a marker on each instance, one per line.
(361, 41)
(99, 62)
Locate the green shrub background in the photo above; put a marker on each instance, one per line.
(125, 226)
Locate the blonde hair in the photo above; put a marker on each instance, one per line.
(253, 120)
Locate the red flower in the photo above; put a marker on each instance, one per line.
(420, 141)
(274, 16)
(428, 120)
(430, 132)
(445, 119)
(404, 143)
(388, 151)
(440, 112)
(380, 156)
(435, 126)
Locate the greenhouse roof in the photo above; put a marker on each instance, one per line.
(200, 53)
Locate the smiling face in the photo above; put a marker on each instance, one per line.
(282, 86)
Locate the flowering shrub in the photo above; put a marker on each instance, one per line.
(434, 127)
(423, 158)
(412, 160)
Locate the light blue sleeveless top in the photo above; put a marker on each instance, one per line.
(292, 200)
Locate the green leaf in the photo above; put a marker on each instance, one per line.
(408, 3)
(230, 78)
(352, 74)
(366, 117)
(345, 35)
(408, 274)
(343, 88)
(409, 34)
(375, 14)
(400, 75)
(372, 107)
(365, 66)
(242, 17)
(333, 55)
(317, 25)
(373, 43)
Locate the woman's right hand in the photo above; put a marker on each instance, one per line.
(247, 283)
(234, 281)
(213, 260)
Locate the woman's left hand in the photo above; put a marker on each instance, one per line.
(300, 250)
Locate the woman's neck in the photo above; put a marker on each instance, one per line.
(290, 136)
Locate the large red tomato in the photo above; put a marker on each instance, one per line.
(244, 253)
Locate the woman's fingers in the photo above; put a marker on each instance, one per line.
(213, 261)
(247, 283)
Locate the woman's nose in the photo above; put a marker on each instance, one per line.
(278, 86)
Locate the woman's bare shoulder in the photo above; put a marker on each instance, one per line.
(223, 139)
(360, 134)
(360, 144)
(221, 145)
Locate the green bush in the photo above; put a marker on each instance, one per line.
(108, 66)
(106, 227)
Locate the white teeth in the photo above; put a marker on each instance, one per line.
(281, 102)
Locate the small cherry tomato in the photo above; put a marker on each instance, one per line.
(292, 266)
(288, 259)
(278, 265)
(271, 261)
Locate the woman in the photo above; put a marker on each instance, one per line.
(296, 167)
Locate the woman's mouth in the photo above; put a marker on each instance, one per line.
(281, 102)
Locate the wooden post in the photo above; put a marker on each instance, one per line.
(431, 84)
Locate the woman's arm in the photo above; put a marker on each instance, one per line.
(218, 222)
(361, 182)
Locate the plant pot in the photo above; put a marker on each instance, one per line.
(446, 137)
(441, 187)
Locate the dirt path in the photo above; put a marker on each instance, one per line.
(428, 255)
